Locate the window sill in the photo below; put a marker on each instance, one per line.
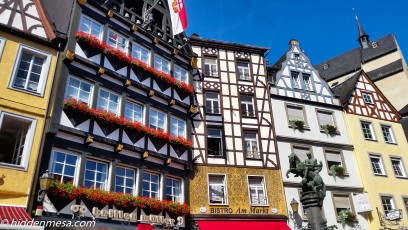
(335, 133)
(210, 76)
(345, 174)
(216, 156)
(28, 92)
(218, 204)
(246, 116)
(382, 175)
(213, 114)
(402, 177)
(391, 143)
(253, 158)
(14, 167)
(373, 140)
(259, 205)
(304, 128)
(244, 80)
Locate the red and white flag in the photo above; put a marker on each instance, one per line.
(178, 16)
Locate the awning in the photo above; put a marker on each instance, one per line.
(144, 227)
(242, 225)
(12, 213)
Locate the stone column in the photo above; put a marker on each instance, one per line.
(312, 204)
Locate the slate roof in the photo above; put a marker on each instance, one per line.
(59, 11)
(346, 88)
(227, 45)
(351, 61)
(384, 71)
(404, 111)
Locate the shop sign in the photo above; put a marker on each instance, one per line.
(252, 210)
(393, 215)
(363, 202)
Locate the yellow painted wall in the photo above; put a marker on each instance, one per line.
(237, 189)
(376, 185)
(17, 181)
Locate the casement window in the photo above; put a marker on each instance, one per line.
(173, 189)
(108, 101)
(217, 189)
(63, 166)
(141, 53)
(295, 80)
(2, 44)
(133, 112)
(398, 167)
(214, 142)
(243, 71)
(295, 113)
(124, 180)
(257, 191)
(16, 136)
(341, 203)
(388, 134)
(368, 131)
(30, 70)
(247, 106)
(212, 103)
(96, 174)
(307, 83)
(333, 158)
(157, 120)
(150, 185)
(325, 118)
(368, 98)
(210, 67)
(180, 74)
(177, 127)
(251, 144)
(79, 90)
(91, 27)
(387, 203)
(161, 64)
(377, 165)
(300, 152)
(117, 41)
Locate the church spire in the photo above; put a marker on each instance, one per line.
(363, 38)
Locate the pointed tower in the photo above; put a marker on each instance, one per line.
(363, 38)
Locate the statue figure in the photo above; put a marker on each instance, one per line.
(309, 171)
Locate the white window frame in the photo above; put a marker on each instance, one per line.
(224, 189)
(150, 183)
(392, 202)
(257, 189)
(172, 195)
(92, 21)
(212, 109)
(221, 149)
(390, 132)
(211, 73)
(94, 180)
(161, 64)
(28, 142)
(157, 124)
(401, 166)
(247, 104)
(81, 81)
(243, 69)
(371, 129)
(294, 76)
(367, 98)
(44, 70)
(133, 111)
(2, 44)
(251, 141)
(124, 180)
(110, 92)
(77, 164)
(178, 74)
(177, 125)
(380, 165)
(344, 196)
(117, 42)
(334, 152)
(139, 54)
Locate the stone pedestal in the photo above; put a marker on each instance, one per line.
(312, 204)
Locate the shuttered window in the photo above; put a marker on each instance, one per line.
(333, 158)
(295, 113)
(325, 118)
(341, 202)
(300, 152)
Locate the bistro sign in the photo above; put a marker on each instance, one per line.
(394, 215)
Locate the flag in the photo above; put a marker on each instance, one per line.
(178, 16)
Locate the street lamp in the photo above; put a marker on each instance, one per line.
(295, 217)
(294, 205)
(45, 181)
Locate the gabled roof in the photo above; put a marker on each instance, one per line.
(351, 61)
(60, 13)
(195, 40)
(27, 17)
(384, 71)
(346, 88)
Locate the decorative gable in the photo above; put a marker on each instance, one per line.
(367, 100)
(27, 16)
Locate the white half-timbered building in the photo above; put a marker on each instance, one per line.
(236, 166)
(309, 118)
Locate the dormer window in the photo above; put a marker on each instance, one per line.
(368, 98)
(296, 56)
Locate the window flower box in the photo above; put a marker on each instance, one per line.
(329, 129)
(89, 44)
(346, 216)
(297, 124)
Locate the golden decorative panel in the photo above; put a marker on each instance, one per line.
(237, 189)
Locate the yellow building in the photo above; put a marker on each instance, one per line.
(27, 62)
(380, 149)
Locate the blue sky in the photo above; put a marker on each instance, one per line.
(324, 28)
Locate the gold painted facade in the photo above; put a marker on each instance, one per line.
(18, 180)
(237, 190)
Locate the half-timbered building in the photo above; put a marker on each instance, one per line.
(236, 179)
(308, 118)
(121, 115)
(380, 147)
(28, 53)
